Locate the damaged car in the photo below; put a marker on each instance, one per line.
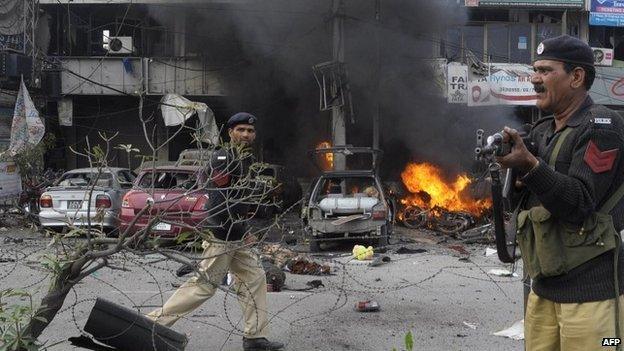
(350, 202)
(85, 196)
(178, 202)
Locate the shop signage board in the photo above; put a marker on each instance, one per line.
(608, 13)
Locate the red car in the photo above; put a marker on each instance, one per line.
(179, 201)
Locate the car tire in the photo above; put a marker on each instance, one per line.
(315, 245)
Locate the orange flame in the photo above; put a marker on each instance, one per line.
(327, 162)
(429, 190)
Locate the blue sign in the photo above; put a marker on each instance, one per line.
(12, 42)
(607, 13)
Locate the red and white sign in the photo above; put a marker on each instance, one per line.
(472, 3)
(506, 84)
(603, 56)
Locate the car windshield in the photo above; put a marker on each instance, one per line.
(125, 178)
(86, 179)
(347, 187)
(168, 180)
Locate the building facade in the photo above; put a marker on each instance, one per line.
(493, 50)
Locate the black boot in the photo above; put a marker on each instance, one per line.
(261, 344)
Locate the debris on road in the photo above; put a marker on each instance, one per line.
(277, 254)
(275, 277)
(515, 332)
(404, 250)
(472, 326)
(9, 239)
(379, 260)
(367, 306)
(490, 252)
(482, 234)
(362, 253)
(316, 283)
(502, 273)
(460, 249)
(301, 265)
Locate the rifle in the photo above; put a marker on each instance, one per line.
(488, 148)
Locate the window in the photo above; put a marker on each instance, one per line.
(168, 180)
(608, 37)
(547, 30)
(498, 42)
(461, 41)
(347, 187)
(86, 179)
(520, 43)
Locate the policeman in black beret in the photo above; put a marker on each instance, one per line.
(571, 212)
(228, 247)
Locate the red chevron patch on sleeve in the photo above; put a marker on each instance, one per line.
(599, 161)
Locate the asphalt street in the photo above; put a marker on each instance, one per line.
(444, 297)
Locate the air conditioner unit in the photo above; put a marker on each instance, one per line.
(120, 45)
(603, 57)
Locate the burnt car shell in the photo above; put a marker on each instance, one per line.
(347, 204)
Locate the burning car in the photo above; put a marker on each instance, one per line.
(344, 204)
(66, 202)
(179, 201)
(435, 202)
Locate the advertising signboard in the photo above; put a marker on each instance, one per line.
(457, 86)
(506, 84)
(608, 13)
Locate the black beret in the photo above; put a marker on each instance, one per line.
(565, 48)
(241, 118)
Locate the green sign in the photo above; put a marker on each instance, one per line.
(534, 3)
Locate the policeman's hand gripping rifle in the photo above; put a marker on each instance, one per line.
(488, 148)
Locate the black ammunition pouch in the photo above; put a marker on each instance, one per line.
(552, 247)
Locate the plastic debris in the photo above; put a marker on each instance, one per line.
(472, 326)
(515, 332)
(502, 273)
(490, 252)
(367, 306)
(362, 253)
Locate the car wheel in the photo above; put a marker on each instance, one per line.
(315, 246)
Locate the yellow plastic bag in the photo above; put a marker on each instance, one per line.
(362, 253)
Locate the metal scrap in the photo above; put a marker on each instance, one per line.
(437, 219)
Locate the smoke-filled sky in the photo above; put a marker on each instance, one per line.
(272, 45)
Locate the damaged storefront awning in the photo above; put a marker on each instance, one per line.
(176, 109)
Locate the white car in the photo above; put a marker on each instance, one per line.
(66, 203)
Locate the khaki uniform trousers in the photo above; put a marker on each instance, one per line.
(550, 326)
(219, 258)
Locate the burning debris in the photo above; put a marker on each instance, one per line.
(438, 204)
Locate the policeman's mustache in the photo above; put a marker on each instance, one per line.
(539, 88)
